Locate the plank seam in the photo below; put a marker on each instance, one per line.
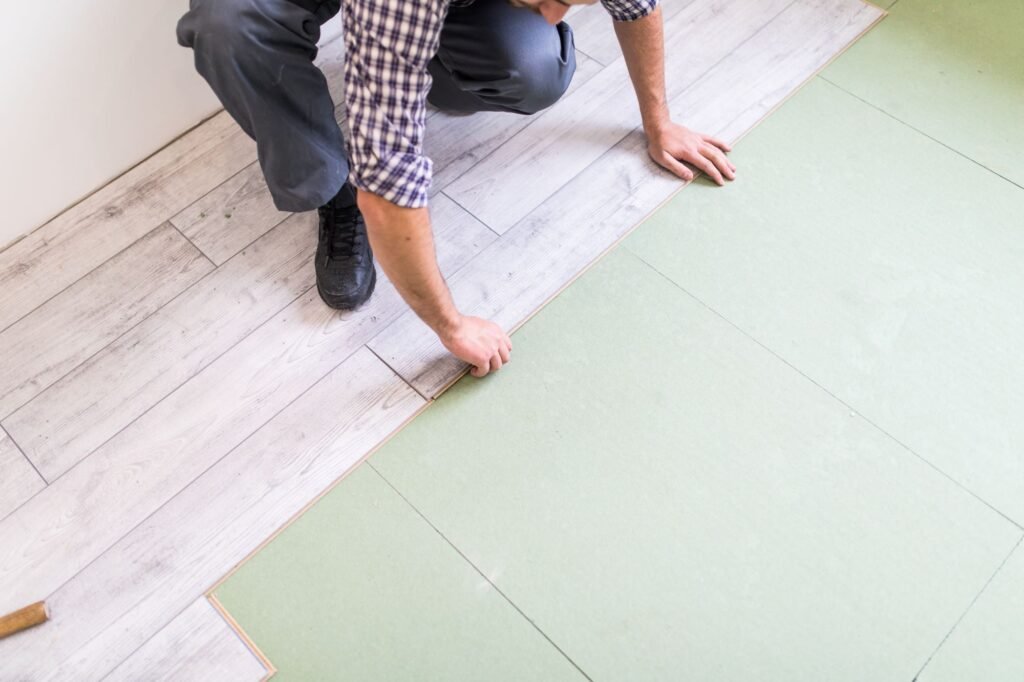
(921, 132)
(4, 432)
(970, 606)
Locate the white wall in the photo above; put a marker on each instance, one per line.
(89, 88)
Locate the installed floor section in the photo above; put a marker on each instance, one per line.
(774, 434)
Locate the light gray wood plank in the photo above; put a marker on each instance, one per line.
(104, 394)
(762, 84)
(197, 645)
(74, 243)
(531, 262)
(18, 480)
(131, 590)
(233, 215)
(594, 31)
(457, 142)
(503, 188)
(84, 512)
(57, 336)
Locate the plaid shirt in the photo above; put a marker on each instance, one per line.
(388, 44)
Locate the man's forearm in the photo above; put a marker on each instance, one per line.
(643, 47)
(403, 243)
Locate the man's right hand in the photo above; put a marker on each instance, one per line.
(479, 342)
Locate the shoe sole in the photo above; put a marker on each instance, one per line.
(340, 303)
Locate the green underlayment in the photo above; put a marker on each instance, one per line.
(696, 466)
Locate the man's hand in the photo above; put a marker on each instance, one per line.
(673, 143)
(479, 342)
(403, 242)
(668, 143)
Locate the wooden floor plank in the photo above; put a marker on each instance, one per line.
(233, 215)
(92, 403)
(531, 262)
(134, 588)
(197, 645)
(503, 188)
(57, 336)
(85, 511)
(594, 32)
(762, 85)
(457, 142)
(74, 243)
(18, 480)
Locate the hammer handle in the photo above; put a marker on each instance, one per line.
(22, 619)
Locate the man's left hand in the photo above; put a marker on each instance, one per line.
(672, 143)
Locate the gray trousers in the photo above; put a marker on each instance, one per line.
(257, 55)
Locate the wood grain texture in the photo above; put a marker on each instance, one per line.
(49, 539)
(74, 243)
(594, 32)
(100, 397)
(235, 214)
(197, 645)
(18, 480)
(57, 336)
(133, 589)
(503, 188)
(760, 74)
(457, 142)
(539, 256)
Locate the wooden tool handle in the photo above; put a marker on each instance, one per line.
(22, 619)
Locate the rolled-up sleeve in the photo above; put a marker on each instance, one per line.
(388, 44)
(629, 10)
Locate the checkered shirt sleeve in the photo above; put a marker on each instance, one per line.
(629, 10)
(388, 44)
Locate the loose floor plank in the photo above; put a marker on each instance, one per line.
(71, 245)
(197, 645)
(531, 262)
(18, 480)
(49, 539)
(57, 336)
(134, 588)
(576, 131)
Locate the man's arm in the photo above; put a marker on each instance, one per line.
(388, 44)
(643, 47)
(403, 242)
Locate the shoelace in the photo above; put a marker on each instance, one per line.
(339, 230)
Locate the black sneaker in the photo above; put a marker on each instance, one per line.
(345, 275)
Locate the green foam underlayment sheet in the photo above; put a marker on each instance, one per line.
(660, 495)
(988, 644)
(361, 588)
(953, 69)
(881, 264)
